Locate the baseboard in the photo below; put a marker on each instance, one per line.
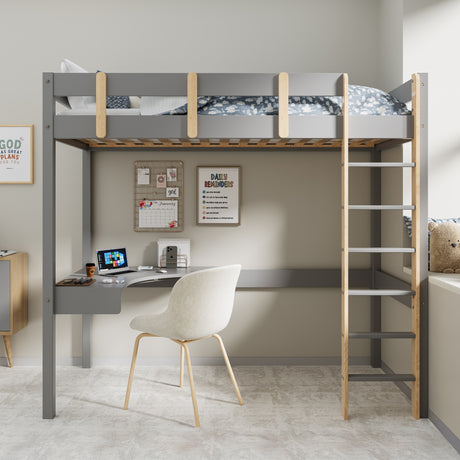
(34, 362)
(200, 361)
(445, 431)
(401, 385)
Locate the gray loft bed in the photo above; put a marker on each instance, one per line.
(224, 131)
(103, 131)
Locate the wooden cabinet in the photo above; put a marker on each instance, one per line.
(13, 297)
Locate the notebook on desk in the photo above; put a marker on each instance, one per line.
(113, 262)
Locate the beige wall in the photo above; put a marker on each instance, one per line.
(290, 203)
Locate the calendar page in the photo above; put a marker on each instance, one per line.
(158, 214)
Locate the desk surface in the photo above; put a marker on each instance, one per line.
(100, 298)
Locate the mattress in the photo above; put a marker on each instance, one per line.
(92, 111)
(362, 100)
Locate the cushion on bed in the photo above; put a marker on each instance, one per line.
(76, 102)
(85, 102)
(134, 102)
(117, 102)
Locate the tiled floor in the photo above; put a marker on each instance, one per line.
(290, 412)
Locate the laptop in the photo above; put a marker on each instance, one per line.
(113, 262)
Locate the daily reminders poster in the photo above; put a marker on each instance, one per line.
(218, 197)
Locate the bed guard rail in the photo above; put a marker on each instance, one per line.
(193, 85)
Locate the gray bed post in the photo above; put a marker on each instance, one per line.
(86, 320)
(376, 259)
(424, 245)
(49, 249)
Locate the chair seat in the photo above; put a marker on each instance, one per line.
(153, 324)
(164, 325)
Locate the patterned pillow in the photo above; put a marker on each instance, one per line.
(118, 102)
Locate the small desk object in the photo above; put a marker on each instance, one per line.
(13, 297)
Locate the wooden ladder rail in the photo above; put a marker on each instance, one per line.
(345, 247)
(416, 245)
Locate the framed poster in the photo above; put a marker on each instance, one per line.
(16, 154)
(218, 195)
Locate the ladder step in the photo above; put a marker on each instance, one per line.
(380, 164)
(381, 207)
(380, 292)
(381, 335)
(399, 250)
(381, 378)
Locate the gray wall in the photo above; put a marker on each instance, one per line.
(290, 213)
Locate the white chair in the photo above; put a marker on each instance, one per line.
(200, 305)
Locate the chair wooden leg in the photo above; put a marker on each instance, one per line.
(229, 367)
(9, 355)
(133, 364)
(192, 385)
(181, 366)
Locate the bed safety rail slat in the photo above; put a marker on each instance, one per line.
(101, 111)
(283, 105)
(192, 105)
(211, 84)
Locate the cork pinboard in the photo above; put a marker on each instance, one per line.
(158, 196)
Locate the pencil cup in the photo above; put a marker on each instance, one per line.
(90, 269)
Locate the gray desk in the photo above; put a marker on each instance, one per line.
(103, 298)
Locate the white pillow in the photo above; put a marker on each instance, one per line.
(76, 102)
(159, 105)
(134, 102)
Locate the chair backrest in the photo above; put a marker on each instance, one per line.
(201, 303)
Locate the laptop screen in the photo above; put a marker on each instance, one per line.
(109, 259)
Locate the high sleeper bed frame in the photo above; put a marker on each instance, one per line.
(100, 131)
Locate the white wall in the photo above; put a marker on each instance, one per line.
(430, 39)
(280, 227)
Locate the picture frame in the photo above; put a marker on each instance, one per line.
(16, 154)
(218, 199)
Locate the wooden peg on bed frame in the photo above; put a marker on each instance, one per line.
(101, 111)
(192, 97)
(283, 105)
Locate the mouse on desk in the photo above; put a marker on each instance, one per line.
(161, 270)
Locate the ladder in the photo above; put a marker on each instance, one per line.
(414, 250)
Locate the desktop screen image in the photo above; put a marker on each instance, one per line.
(112, 258)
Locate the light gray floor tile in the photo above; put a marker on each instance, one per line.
(290, 412)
